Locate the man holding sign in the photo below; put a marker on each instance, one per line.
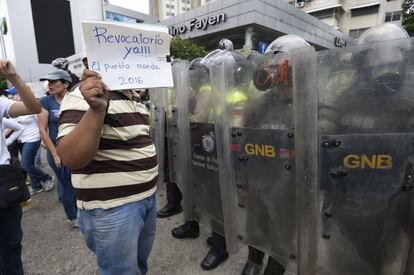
(104, 138)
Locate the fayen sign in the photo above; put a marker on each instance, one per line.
(198, 24)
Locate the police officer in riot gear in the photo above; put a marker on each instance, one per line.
(279, 97)
(200, 104)
(367, 208)
(226, 45)
(174, 195)
(377, 74)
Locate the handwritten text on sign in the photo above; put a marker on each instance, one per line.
(128, 56)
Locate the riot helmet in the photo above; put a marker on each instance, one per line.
(226, 45)
(286, 44)
(383, 63)
(198, 74)
(384, 32)
(266, 73)
(60, 63)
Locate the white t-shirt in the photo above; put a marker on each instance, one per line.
(5, 105)
(30, 128)
(9, 123)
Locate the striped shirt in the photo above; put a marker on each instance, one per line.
(125, 167)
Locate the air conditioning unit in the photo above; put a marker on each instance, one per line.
(300, 4)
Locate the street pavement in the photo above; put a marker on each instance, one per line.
(50, 246)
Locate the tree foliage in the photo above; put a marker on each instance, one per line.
(408, 16)
(3, 83)
(186, 49)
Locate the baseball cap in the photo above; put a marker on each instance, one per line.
(11, 91)
(56, 75)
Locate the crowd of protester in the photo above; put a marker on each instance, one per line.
(26, 125)
(42, 123)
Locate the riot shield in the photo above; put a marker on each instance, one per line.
(257, 126)
(365, 159)
(157, 126)
(178, 133)
(205, 185)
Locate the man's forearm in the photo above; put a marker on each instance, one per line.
(79, 147)
(25, 94)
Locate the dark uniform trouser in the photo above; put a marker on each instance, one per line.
(219, 242)
(174, 195)
(273, 267)
(11, 235)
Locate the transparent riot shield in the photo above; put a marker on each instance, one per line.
(255, 117)
(365, 159)
(178, 132)
(205, 182)
(158, 125)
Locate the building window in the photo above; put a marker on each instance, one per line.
(393, 16)
(328, 13)
(61, 28)
(169, 6)
(365, 11)
(170, 14)
(355, 33)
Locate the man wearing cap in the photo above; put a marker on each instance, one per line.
(104, 138)
(58, 84)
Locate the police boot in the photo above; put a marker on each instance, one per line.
(189, 229)
(217, 253)
(173, 206)
(169, 210)
(274, 267)
(209, 241)
(254, 262)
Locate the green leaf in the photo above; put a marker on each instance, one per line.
(186, 49)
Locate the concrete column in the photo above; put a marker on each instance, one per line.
(381, 12)
(248, 43)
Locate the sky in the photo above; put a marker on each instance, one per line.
(137, 5)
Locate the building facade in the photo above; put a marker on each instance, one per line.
(38, 31)
(353, 17)
(164, 9)
(253, 24)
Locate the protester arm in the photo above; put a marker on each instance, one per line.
(13, 125)
(44, 135)
(79, 139)
(29, 104)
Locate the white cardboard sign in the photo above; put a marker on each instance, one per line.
(128, 56)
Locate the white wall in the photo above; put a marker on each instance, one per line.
(83, 10)
(21, 42)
